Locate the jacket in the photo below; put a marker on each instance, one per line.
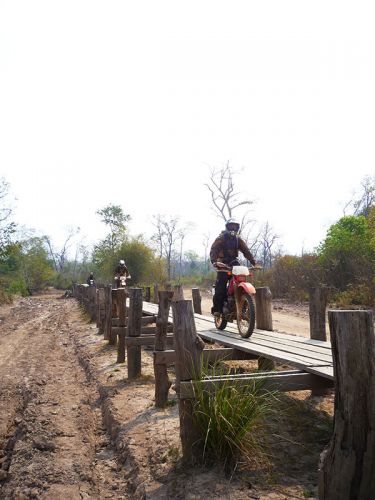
(225, 249)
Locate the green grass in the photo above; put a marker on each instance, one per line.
(233, 421)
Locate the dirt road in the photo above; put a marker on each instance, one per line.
(52, 444)
(73, 427)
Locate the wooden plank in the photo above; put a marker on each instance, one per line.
(251, 345)
(209, 355)
(145, 340)
(276, 355)
(285, 382)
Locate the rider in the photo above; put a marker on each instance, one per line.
(90, 279)
(121, 270)
(224, 250)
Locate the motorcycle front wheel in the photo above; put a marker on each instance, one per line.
(220, 322)
(246, 320)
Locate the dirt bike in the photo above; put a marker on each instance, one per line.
(91, 283)
(239, 303)
(121, 281)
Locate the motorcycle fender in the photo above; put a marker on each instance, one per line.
(247, 287)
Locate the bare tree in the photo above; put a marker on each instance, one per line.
(59, 257)
(267, 240)
(168, 233)
(7, 228)
(226, 200)
(362, 203)
(206, 242)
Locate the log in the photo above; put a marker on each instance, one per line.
(156, 290)
(108, 311)
(178, 292)
(112, 335)
(162, 382)
(263, 317)
(147, 294)
(188, 347)
(318, 297)
(121, 302)
(197, 300)
(347, 466)
(134, 330)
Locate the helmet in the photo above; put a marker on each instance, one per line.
(122, 262)
(232, 226)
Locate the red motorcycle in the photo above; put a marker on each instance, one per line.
(239, 303)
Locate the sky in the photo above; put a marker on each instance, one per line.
(133, 103)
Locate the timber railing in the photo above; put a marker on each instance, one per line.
(347, 468)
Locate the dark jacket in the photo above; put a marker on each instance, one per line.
(121, 271)
(225, 249)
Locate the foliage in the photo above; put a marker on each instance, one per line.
(347, 255)
(114, 217)
(25, 266)
(7, 227)
(292, 276)
(139, 257)
(231, 420)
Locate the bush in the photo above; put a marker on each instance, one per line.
(232, 419)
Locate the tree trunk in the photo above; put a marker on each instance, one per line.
(347, 469)
(162, 382)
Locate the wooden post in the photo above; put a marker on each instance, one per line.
(92, 302)
(178, 292)
(263, 317)
(197, 300)
(108, 311)
(100, 320)
(147, 294)
(317, 311)
(121, 303)
(134, 330)
(347, 468)
(188, 347)
(156, 290)
(162, 382)
(112, 335)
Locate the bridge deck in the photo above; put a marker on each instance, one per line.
(312, 356)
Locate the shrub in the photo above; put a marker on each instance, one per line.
(232, 420)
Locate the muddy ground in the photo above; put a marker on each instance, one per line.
(73, 427)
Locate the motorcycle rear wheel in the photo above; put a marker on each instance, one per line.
(246, 321)
(220, 322)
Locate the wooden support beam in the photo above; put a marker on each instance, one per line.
(178, 292)
(347, 468)
(197, 300)
(134, 331)
(263, 303)
(188, 346)
(294, 380)
(108, 311)
(121, 304)
(146, 330)
(318, 297)
(147, 340)
(155, 295)
(145, 320)
(162, 382)
(147, 293)
(209, 355)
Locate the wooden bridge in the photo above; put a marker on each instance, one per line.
(313, 356)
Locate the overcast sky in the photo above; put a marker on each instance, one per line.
(131, 103)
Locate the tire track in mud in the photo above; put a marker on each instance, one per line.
(52, 442)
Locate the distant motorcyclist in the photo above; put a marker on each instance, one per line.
(90, 279)
(225, 250)
(121, 274)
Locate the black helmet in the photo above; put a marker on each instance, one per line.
(232, 226)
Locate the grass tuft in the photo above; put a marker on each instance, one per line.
(233, 421)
